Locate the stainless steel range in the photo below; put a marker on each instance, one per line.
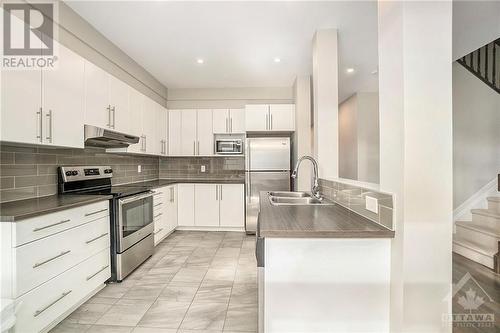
(131, 214)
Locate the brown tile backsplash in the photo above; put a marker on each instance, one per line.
(27, 172)
(353, 198)
(190, 167)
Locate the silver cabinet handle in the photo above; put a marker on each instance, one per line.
(158, 204)
(49, 126)
(114, 116)
(172, 194)
(220, 186)
(166, 147)
(145, 142)
(157, 193)
(96, 212)
(227, 125)
(51, 225)
(194, 147)
(158, 215)
(231, 125)
(198, 148)
(96, 238)
(38, 264)
(64, 294)
(158, 231)
(267, 121)
(216, 192)
(109, 115)
(99, 271)
(40, 125)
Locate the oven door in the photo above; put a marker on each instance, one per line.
(135, 219)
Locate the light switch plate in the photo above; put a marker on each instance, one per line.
(203, 168)
(139, 169)
(371, 204)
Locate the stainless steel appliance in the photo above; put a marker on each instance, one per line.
(228, 146)
(102, 137)
(267, 168)
(131, 214)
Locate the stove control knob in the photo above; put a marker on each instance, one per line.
(74, 173)
(68, 173)
(108, 171)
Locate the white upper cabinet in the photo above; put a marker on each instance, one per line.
(282, 117)
(237, 120)
(119, 105)
(63, 101)
(188, 132)
(220, 121)
(174, 133)
(135, 118)
(161, 130)
(44, 107)
(257, 117)
(97, 108)
(149, 117)
(205, 135)
(270, 118)
(227, 121)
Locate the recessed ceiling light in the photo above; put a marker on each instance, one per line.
(277, 59)
(200, 61)
(350, 70)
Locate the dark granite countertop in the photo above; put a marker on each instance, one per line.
(167, 182)
(22, 209)
(315, 221)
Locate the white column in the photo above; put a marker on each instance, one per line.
(415, 71)
(302, 138)
(326, 102)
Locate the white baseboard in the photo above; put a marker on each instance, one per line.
(477, 200)
(198, 228)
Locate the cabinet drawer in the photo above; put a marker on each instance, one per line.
(40, 261)
(41, 306)
(46, 225)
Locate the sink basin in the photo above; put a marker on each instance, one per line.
(278, 201)
(285, 194)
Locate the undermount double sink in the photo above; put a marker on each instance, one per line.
(281, 198)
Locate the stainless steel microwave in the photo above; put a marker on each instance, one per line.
(229, 146)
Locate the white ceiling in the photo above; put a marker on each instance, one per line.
(238, 40)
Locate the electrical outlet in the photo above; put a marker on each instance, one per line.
(371, 204)
(203, 168)
(139, 169)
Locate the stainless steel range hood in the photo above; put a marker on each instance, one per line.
(101, 137)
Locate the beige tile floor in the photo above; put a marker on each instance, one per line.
(195, 282)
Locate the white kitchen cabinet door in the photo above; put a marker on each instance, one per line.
(97, 111)
(220, 121)
(185, 205)
(161, 130)
(149, 115)
(205, 134)
(188, 132)
(135, 116)
(21, 117)
(257, 117)
(63, 101)
(206, 199)
(171, 207)
(174, 133)
(232, 205)
(119, 102)
(282, 117)
(237, 120)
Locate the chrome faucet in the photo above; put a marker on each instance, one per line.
(314, 182)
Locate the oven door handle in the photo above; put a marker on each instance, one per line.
(136, 197)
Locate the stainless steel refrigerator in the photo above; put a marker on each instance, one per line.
(267, 168)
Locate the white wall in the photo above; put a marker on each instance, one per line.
(476, 134)
(475, 24)
(302, 137)
(227, 97)
(359, 138)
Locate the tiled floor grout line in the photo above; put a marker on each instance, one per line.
(232, 286)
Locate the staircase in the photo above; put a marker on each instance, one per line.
(484, 63)
(479, 239)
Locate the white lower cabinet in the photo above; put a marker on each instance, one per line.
(165, 212)
(56, 262)
(206, 205)
(232, 205)
(185, 205)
